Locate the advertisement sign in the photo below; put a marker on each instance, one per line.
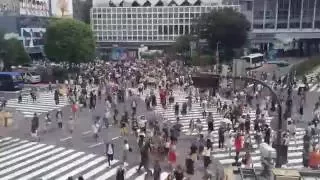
(32, 37)
(119, 54)
(9, 7)
(34, 7)
(62, 8)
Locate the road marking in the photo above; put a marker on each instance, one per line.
(116, 138)
(94, 145)
(87, 132)
(67, 138)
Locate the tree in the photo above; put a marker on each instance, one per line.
(12, 52)
(182, 44)
(225, 27)
(68, 40)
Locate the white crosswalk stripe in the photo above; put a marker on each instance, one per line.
(41, 161)
(294, 150)
(45, 103)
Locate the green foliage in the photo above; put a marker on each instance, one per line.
(12, 52)
(182, 44)
(68, 40)
(307, 66)
(225, 26)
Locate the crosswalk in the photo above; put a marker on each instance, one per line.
(25, 160)
(313, 87)
(313, 75)
(44, 103)
(294, 150)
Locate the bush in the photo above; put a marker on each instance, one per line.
(307, 66)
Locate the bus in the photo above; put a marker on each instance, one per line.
(253, 60)
(11, 81)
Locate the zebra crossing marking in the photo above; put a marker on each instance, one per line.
(51, 162)
(294, 149)
(44, 103)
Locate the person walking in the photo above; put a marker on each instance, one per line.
(126, 150)
(109, 153)
(35, 126)
(120, 173)
(59, 118)
(207, 154)
(156, 170)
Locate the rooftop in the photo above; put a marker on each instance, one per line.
(137, 3)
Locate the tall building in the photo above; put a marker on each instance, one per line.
(275, 24)
(151, 23)
(29, 18)
(81, 10)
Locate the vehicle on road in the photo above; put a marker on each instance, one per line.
(253, 60)
(11, 81)
(31, 77)
(279, 63)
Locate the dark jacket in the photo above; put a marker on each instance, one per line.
(120, 174)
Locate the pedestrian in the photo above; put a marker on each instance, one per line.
(178, 173)
(144, 152)
(207, 154)
(59, 118)
(56, 97)
(71, 125)
(80, 178)
(126, 150)
(35, 126)
(120, 173)
(221, 137)
(109, 152)
(191, 159)
(172, 156)
(210, 122)
(134, 107)
(156, 170)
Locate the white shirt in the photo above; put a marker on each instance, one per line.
(206, 152)
(110, 150)
(126, 147)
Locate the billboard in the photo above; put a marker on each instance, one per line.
(34, 7)
(62, 8)
(32, 37)
(9, 7)
(119, 53)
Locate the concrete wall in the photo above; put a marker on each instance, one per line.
(8, 24)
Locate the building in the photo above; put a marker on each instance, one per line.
(131, 24)
(28, 19)
(81, 10)
(288, 25)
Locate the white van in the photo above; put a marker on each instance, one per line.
(31, 77)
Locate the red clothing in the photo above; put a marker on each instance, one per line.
(172, 157)
(238, 144)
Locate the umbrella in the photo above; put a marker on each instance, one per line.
(226, 120)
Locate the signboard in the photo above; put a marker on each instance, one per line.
(34, 7)
(206, 80)
(119, 54)
(9, 7)
(62, 8)
(32, 37)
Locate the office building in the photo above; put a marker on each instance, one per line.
(154, 24)
(281, 24)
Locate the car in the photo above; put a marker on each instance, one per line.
(279, 63)
(31, 77)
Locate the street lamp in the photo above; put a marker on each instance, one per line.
(207, 80)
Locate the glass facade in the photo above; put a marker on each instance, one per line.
(286, 14)
(141, 24)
